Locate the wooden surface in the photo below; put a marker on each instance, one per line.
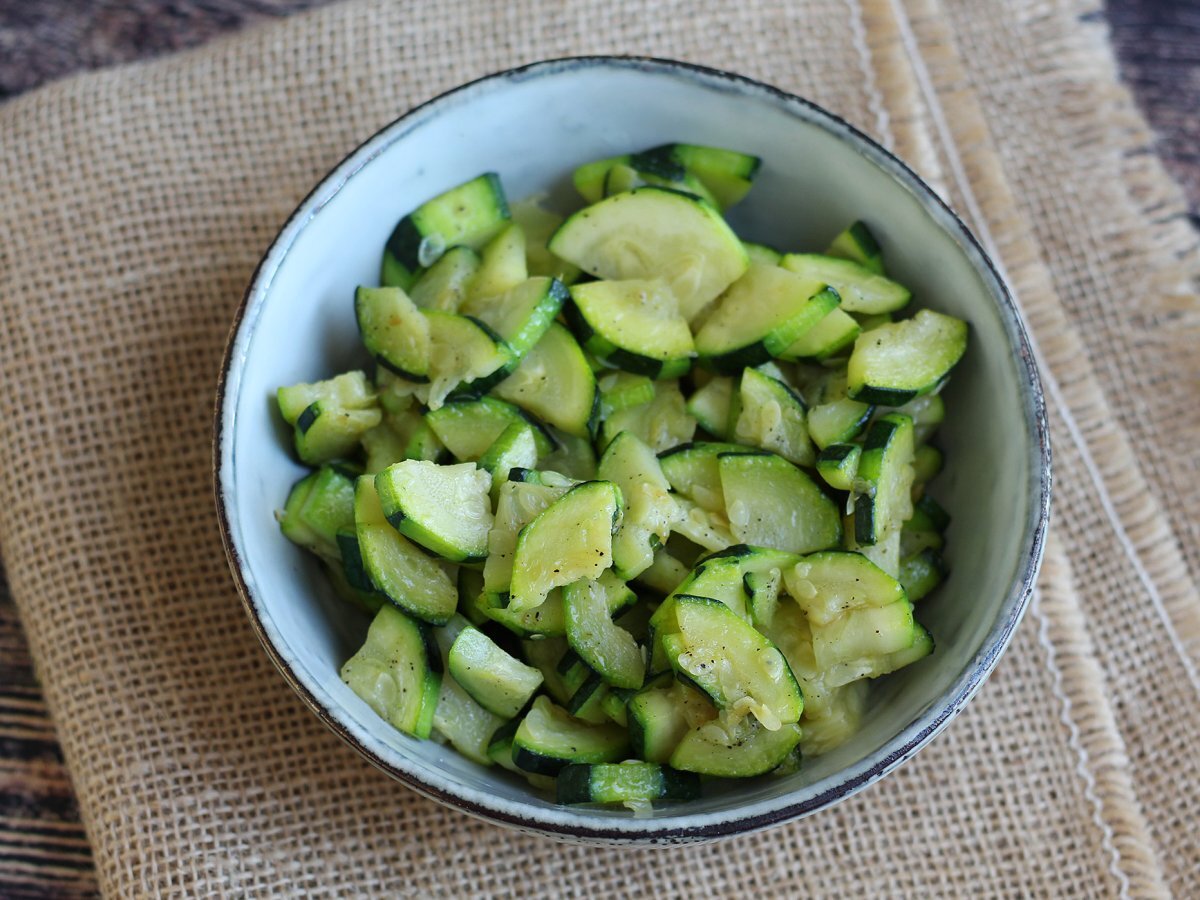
(43, 851)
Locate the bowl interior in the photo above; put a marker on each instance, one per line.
(533, 127)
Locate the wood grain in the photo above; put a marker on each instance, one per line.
(43, 849)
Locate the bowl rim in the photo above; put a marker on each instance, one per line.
(576, 824)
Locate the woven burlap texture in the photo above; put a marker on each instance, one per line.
(136, 205)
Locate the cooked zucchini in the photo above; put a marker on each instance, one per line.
(655, 232)
(895, 362)
(549, 739)
(394, 331)
(857, 244)
(494, 679)
(444, 285)
(729, 750)
(771, 503)
(634, 325)
(445, 509)
(861, 290)
(760, 316)
(625, 782)
(468, 214)
(772, 417)
(883, 495)
(606, 647)
(650, 510)
(469, 427)
(554, 382)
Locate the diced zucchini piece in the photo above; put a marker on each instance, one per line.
(369, 601)
(838, 464)
(501, 268)
(587, 703)
(522, 314)
(469, 427)
(549, 739)
(847, 708)
(772, 417)
(613, 705)
(861, 290)
(655, 233)
(831, 584)
(398, 569)
(927, 412)
(539, 224)
(515, 448)
(692, 470)
(760, 316)
(464, 353)
(444, 285)
(837, 422)
(353, 568)
(318, 506)
(664, 574)
(834, 333)
(855, 644)
(554, 382)
(728, 174)
(625, 782)
(329, 417)
(467, 725)
(761, 253)
(621, 178)
(662, 423)
(445, 509)
(393, 331)
(546, 620)
(771, 503)
(519, 503)
(496, 681)
(729, 750)
(607, 648)
(574, 457)
(739, 668)
(634, 325)
(711, 405)
(658, 719)
(623, 390)
(570, 540)
(927, 463)
(650, 511)
(397, 671)
(921, 573)
(589, 178)
(424, 444)
(703, 527)
(893, 363)
(883, 490)
(763, 590)
(468, 214)
(857, 244)
(933, 516)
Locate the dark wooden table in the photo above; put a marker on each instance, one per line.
(43, 851)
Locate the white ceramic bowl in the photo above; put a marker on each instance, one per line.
(534, 125)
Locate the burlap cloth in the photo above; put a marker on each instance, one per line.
(134, 205)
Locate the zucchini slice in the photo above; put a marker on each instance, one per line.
(549, 739)
(522, 314)
(838, 464)
(464, 354)
(570, 540)
(703, 527)
(650, 510)
(397, 671)
(655, 232)
(740, 750)
(847, 709)
(858, 644)
(634, 325)
(445, 509)
(861, 290)
(831, 584)
(857, 244)
(692, 470)
(393, 331)
(834, 333)
(574, 457)
(771, 503)
(519, 503)
(728, 659)
(710, 406)
(468, 214)
(883, 488)
(921, 573)
(622, 177)
(607, 648)
(466, 724)
(927, 412)
(664, 574)
(469, 427)
(318, 507)
(761, 253)
(555, 383)
(515, 448)
(728, 174)
(662, 423)
(398, 569)
(329, 417)
(760, 316)
(761, 570)
(496, 681)
(444, 285)
(624, 390)
(897, 361)
(627, 782)
(501, 268)
(772, 418)
(539, 224)
(660, 715)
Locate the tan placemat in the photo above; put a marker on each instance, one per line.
(136, 203)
